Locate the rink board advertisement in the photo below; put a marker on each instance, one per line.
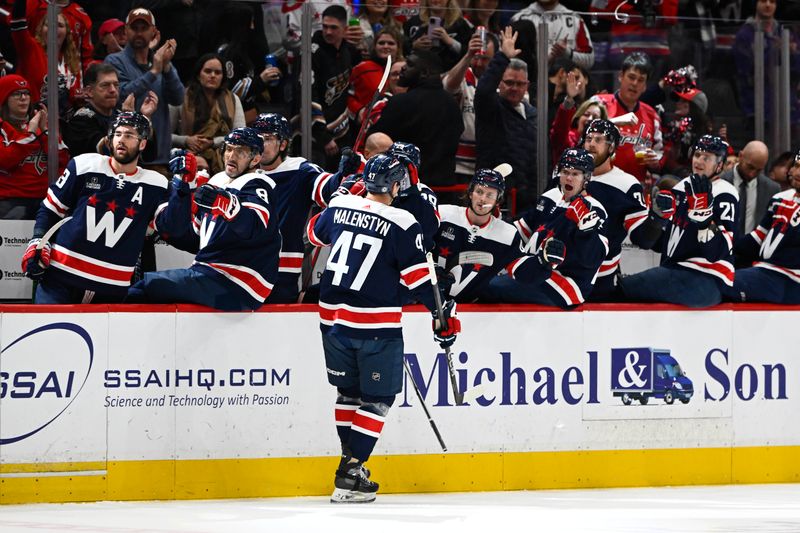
(188, 404)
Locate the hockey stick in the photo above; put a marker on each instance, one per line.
(45, 240)
(459, 396)
(424, 406)
(378, 92)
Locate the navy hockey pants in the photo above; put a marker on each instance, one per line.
(761, 285)
(672, 285)
(187, 285)
(505, 289)
(373, 366)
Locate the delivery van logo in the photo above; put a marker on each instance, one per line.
(644, 373)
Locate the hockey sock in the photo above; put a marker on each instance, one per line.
(346, 405)
(367, 426)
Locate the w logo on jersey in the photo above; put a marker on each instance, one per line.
(95, 229)
(675, 235)
(770, 244)
(206, 230)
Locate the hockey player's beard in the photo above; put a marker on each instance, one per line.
(128, 157)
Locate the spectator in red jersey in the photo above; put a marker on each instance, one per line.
(23, 154)
(641, 148)
(32, 55)
(78, 21)
(365, 77)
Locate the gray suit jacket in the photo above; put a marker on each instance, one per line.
(765, 189)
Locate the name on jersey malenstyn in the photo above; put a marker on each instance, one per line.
(359, 219)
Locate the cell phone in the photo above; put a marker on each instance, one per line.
(433, 23)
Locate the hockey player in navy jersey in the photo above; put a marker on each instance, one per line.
(416, 197)
(237, 241)
(111, 202)
(573, 217)
(622, 197)
(473, 245)
(376, 251)
(774, 248)
(696, 244)
(299, 185)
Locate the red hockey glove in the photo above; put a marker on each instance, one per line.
(35, 262)
(183, 165)
(446, 329)
(580, 212)
(219, 201)
(664, 205)
(787, 213)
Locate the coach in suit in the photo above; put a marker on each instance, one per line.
(755, 188)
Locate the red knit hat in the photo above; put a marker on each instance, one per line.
(10, 84)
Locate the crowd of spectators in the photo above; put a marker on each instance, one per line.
(462, 86)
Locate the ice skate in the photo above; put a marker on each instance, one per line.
(352, 484)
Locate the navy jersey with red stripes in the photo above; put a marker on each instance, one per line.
(585, 250)
(299, 185)
(679, 243)
(376, 252)
(98, 249)
(622, 197)
(473, 254)
(243, 250)
(775, 242)
(423, 206)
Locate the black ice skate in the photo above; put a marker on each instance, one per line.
(353, 484)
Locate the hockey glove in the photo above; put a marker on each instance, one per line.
(35, 262)
(552, 253)
(352, 184)
(446, 329)
(664, 205)
(408, 186)
(444, 280)
(183, 165)
(219, 201)
(349, 162)
(786, 213)
(580, 212)
(700, 199)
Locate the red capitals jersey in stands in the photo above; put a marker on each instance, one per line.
(376, 251)
(80, 26)
(98, 249)
(23, 163)
(646, 131)
(631, 35)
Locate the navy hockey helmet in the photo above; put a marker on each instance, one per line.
(605, 127)
(273, 123)
(711, 144)
(381, 171)
(406, 152)
(577, 158)
(489, 178)
(246, 137)
(135, 120)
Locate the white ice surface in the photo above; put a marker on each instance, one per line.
(743, 508)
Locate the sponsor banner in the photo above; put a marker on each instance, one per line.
(165, 385)
(51, 396)
(14, 237)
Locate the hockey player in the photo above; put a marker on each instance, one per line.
(111, 202)
(376, 251)
(573, 217)
(238, 244)
(621, 195)
(696, 243)
(416, 197)
(473, 244)
(774, 246)
(299, 185)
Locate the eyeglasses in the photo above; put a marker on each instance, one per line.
(515, 83)
(20, 94)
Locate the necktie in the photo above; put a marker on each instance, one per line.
(742, 207)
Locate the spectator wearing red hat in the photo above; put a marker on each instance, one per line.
(23, 154)
(32, 55)
(79, 22)
(111, 38)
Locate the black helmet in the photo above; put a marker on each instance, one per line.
(135, 120)
(607, 128)
(577, 158)
(381, 171)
